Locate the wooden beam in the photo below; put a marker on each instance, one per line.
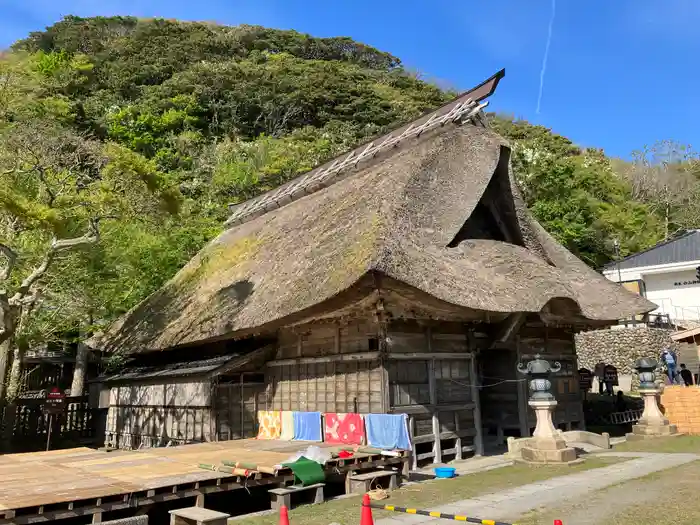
(508, 329)
(365, 356)
(429, 409)
(420, 355)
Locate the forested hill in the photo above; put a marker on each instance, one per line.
(206, 115)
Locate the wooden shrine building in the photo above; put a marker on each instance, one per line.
(404, 276)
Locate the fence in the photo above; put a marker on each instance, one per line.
(24, 426)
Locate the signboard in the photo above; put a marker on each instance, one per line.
(55, 402)
(610, 375)
(585, 379)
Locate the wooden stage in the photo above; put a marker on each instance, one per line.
(40, 486)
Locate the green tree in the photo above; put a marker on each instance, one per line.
(55, 189)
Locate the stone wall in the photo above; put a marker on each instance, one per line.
(621, 347)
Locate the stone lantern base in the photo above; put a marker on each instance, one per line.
(652, 423)
(546, 444)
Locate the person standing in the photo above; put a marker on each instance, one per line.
(599, 372)
(686, 375)
(668, 357)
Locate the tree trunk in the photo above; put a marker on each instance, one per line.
(14, 383)
(81, 357)
(5, 359)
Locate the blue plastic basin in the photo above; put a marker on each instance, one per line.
(444, 472)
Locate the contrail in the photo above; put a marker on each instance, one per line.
(546, 54)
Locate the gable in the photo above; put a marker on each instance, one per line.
(494, 216)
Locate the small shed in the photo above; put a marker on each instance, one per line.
(152, 403)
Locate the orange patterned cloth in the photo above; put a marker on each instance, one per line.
(269, 424)
(346, 429)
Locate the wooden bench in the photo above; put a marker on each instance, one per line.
(197, 516)
(283, 495)
(361, 483)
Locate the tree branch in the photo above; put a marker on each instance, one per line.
(57, 245)
(11, 259)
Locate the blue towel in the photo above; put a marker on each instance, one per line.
(387, 431)
(307, 426)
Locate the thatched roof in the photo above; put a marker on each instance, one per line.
(413, 215)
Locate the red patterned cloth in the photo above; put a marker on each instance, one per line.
(345, 429)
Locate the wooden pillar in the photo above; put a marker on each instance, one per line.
(437, 446)
(522, 397)
(458, 439)
(383, 347)
(414, 452)
(474, 381)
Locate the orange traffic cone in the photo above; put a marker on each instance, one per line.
(366, 516)
(284, 516)
(557, 522)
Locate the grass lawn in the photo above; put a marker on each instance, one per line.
(636, 502)
(430, 494)
(670, 444)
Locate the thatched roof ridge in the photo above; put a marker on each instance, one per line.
(462, 108)
(396, 217)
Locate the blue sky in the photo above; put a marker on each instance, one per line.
(620, 73)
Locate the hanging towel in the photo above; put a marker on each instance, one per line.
(307, 426)
(306, 471)
(287, 433)
(269, 424)
(388, 431)
(347, 429)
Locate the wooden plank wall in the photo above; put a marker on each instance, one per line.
(154, 414)
(556, 343)
(327, 368)
(505, 405)
(432, 378)
(237, 407)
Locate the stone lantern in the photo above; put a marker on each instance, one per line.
(653, 422)
(538, 372)
(546, 444)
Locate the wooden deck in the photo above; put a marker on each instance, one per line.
(59, 484)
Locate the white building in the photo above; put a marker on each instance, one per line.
(667, 274)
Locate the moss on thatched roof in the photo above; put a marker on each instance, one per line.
(395, 217)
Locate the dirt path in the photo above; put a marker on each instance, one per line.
(634, 502)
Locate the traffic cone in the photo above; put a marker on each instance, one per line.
(366, 516)
(284, 515)
(557, 522)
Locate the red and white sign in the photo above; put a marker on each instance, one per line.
(55, 402)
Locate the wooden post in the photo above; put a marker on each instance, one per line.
(414, 452)
(458, 440)
(48, 434)
(522, 397)
(383, 347)
(437, 446)
(476, 399)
